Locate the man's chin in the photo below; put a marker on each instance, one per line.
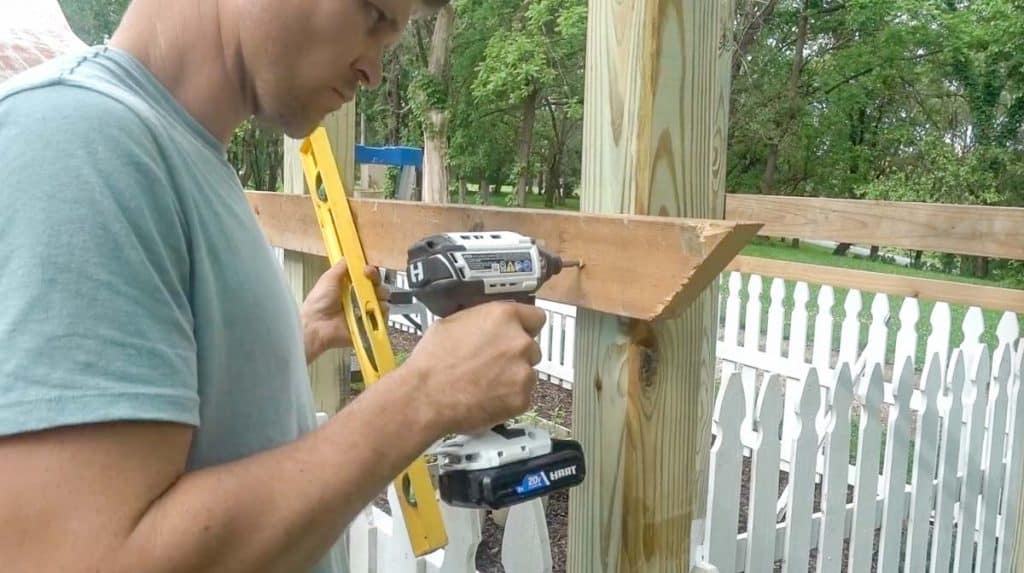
(292, 126)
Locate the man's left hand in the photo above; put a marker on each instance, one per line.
(323, 320)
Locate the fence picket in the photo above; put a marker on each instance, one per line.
(398, 556)
(926, 442)
(362, 542)
(764, 477)
(821, 356)
(866, 486)
(557, 331)
(973, 327)
(951, 409)
(906, 338)
(776, 318)
(463, 526)
(878, 331)
(798, 324)
(801, 476)
(570, 349)
(751, 341)
(849, 338)
(938, 340)
(525, 546)
(993, 456)
(834, 482)
(724, 478)
(975, 402)
(752, 324)
(731, 331)
(895, 469)
(1008, 561)
(1008, 329)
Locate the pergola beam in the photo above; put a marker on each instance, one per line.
(646, 268)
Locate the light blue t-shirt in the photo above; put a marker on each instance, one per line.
(135, 281)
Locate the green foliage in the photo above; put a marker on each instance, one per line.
(889, 90)
(257, 153)
(94, 21)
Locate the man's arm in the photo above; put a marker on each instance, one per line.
(114, 497)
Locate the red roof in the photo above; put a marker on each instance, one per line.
(31, 33)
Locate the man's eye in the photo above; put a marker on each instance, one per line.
(377, 16)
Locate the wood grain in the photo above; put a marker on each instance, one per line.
(961, 229)
(654, 144)
(993, 298)
(638, 267)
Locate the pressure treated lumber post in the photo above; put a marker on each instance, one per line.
(655, 119)
(329, 375)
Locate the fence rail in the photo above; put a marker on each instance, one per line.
(961, 229)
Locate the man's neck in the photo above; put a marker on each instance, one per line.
(193, 55)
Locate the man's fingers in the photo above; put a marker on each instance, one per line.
(338, 270)
(532, 318)
(372, 273)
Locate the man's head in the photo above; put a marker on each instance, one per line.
(305, 58)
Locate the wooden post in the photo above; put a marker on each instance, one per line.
(330, 374)
(655, 121)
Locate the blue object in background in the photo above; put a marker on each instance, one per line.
(391, 155)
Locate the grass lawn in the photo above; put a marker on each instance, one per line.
(816, 255)
(499, 198)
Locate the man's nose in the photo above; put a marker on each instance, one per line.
(369, 68)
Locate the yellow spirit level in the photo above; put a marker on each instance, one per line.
(368, 327)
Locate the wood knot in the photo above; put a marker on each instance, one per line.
(598, 385)
(644, 351)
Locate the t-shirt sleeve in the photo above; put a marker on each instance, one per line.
(95, 318)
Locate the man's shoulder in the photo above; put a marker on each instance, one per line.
(68, 97)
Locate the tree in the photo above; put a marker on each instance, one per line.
(434, 91)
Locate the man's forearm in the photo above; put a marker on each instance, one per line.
(281, 510)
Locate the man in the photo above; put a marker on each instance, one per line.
(154, 409)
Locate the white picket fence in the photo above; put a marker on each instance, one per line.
(832, 388)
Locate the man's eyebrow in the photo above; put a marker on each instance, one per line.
(389, 19)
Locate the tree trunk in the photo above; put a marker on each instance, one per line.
(484, 192)
(462, 191)
(525, 145)
(435, 136)
(966, 265)
(981, 267)
(551, 179)
(768, 177)
(754, 23)
(395, 99)
(917, 259)
(793, 103)
(841, 249)
(874, 252)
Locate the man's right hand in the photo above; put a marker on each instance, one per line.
(477, 365)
